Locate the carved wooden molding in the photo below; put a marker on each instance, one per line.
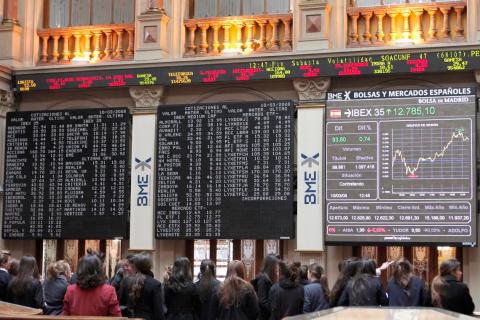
(312, 89)
(147, 98)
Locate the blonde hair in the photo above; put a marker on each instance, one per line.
(437, 286)
(58, 268)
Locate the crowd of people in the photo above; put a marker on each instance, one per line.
(281, 289)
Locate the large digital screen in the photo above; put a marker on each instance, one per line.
(241, 70)
(400, 166)
(66, 174)
(225, 171)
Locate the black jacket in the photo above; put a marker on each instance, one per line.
(246, 309)
(149, 305)
(455, 296)
(364, 290)
(411, 296)
(315, 298)
(54, 290)
(205, 296)
(32, 297)
(183, 304)
(4, 280)
(286, 299)
(262, 285)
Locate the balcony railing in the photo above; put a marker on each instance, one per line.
(411, 23)
(243, 34)
(87, 43)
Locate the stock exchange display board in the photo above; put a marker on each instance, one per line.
(66, 174)
(400, 166)
(241, 70)
(225, 171)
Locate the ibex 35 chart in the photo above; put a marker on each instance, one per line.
(400, 166)
(427, 158)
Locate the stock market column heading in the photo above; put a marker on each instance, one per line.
(400, 166)
(241, 71)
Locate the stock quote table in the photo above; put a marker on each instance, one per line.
(66, 174)
(400, 166)
(225, 171)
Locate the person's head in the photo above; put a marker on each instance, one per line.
(181, 274)
(315, 272)
(4, 260)
(27, 274)
(402, 272)
(303, 274)
(119, 267)
(236, 268)
(234, 285)
(207, 270)
(270, 267)
(368, 267)
(288, 272)
(451, 267)
(352, 267)
(57, 269)
(90, 273)
(128, 267)
(13, 267)
(142, 263)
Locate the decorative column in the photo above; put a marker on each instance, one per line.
(432, 27)
(274, 38)
(131, 42)
(354, 29)
(10, 12)
(44, 54)
(204, 42)
(286, 44)
(226, 36)
(216, 43)
(120, 49)
(445, 32)
(191, 39)
(310, 155)
(108, 44)
(142, 223)
(393, 28)
(66, 48)
(367, 36)
(459, 26)
(380, 35)
(249, 42)
(418, 31)
(96, 43)
(55, 53)
(77, 50)
(406, 24)
(239, 43)
(262, 41)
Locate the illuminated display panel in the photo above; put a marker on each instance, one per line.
(400, 167)
(443, 61)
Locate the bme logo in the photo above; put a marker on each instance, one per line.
(143, 181)
(310, 178)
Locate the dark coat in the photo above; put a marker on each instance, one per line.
(4, 281)
(411, 296)
(183, 304)
(455, 296)
(315, 298)
(286, 299)
(32, 297)
(246, 309)
(364, 290)
(262, 285)
(205, 295)
(150, 303)
(54, 290)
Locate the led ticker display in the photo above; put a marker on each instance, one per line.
(420, 62)
(400, 166)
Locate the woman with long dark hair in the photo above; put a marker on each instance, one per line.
(25, 289)
(316, 292)
(181, 297)
(236, 298)
(263, 282)
(365, 289)
(58, 275)
(404, 288)
(348, 269)
(91, 295)
(287, 296)
(144, 292)
(206, 286)
(449, 292)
